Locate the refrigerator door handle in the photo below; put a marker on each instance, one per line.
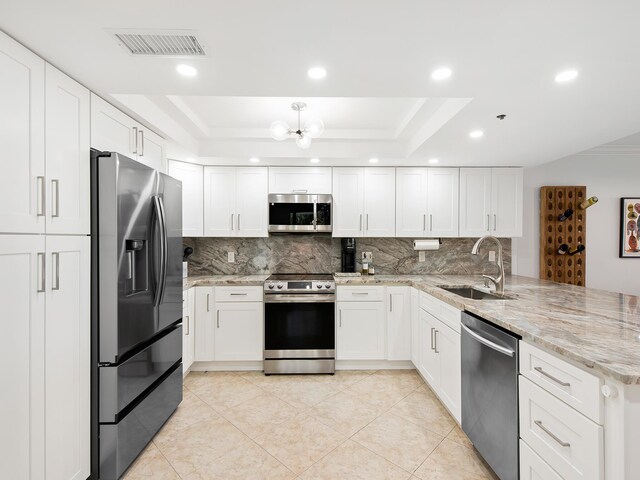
(162, 277)
(165, 249)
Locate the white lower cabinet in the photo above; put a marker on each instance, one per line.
(228, 330)
(188, 331)
(46, 395)
(398, 323)
(532, 467)
(429, 357)
(361, 331)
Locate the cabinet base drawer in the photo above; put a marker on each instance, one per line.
(532, 467)
(238, 294)
(359, 294)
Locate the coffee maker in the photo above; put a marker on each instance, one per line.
(348, 255)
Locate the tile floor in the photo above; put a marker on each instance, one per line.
(367, 425)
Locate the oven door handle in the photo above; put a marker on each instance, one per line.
(300, 298)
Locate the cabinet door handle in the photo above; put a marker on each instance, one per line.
(424, 222)
(238, 222)
(134, 148)
(551, 434)
(55, 198)
(141, 149)
(391, 303)
(208, 310)
(360, 222)
(495, 222)
(42, 269)
(548, 375)
(367, 222)
(232, 222)
(340, 318)
(300, 191)
(55, 260)
(435, 341)
(431, 222)
(188, 325)
(41, 196)
(488, 222)
(217, 318)
(432, 330)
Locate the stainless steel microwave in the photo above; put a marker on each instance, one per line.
(299, 213)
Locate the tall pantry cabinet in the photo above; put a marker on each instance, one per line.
(44, 269)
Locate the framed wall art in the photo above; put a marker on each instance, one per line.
(629, 216)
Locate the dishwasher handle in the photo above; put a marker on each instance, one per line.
(489, 343)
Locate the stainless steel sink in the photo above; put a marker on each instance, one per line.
(475, 294)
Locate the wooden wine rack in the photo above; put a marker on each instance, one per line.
(554, 201)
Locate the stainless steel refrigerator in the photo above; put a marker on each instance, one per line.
(136, 308)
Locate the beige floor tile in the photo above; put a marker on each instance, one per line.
(423, 409)
(458, 436)
(345, 378)
(262, 380)
(151, 464)
(398, 440)
(191, 411)
(380, 391)
(198, 446)
(451, 461)
(225, 393)
(260, 414)
(303, 393)
(351, 461)
(402, 378)
(251, 462)
(300, 442)
(345, 412)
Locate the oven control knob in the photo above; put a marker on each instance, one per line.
(271, 285)
(280, 285)
(327, 285)
(318, 285)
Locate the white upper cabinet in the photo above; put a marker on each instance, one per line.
(22, 196)
(115, 131)
(235, 202)
(192, 180)
(68, 203)
(442, 202)
(364, 202)
(427, 202)
(506, 201)
(302, 180)
(491, 202)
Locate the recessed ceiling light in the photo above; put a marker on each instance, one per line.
(476, 133)
(317, 73)
(566, 76)
(254, 160)
(441, 73)
(373, 160)
(315, 160)
(186, 70)
(433, 160)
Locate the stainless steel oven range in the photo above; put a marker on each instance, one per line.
(299, 324)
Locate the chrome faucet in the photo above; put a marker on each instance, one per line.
(498, 282)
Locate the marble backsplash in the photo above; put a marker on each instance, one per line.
(318, 253)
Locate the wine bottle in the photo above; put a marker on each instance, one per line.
(564, 248)
(588, 202)
(579, 248)
(567, 213)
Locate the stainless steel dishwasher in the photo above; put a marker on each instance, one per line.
(490, 393)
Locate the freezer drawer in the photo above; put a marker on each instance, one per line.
(121, 443)
(122, 384)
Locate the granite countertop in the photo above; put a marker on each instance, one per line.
(595, 328)
(221, 280)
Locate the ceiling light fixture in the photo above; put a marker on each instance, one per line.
(433, 160)
(566, 76)
(317, 73)
(441, 73)
(315, 160)
(186, 70)
(476, 133)
(254, 160)
(373, 160)
(313, 128)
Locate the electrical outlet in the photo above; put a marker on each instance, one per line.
(422, 256)
(231, 257)
(367, 256)
(492, 255)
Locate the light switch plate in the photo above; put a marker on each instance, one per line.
(231, 257)
(367, 256)
(422, 256)
(492, 255)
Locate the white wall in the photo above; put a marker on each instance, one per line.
(608, 177)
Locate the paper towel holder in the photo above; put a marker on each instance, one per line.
(427, 244)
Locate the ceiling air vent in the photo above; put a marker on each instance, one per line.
(164, 43)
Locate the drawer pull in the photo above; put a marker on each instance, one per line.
(360, 293)
(551, 434)
(548, 375)
(238, 294)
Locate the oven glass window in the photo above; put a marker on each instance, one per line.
(291, 214)
(299, 326)
(324, 213)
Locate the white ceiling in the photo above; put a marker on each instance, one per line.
(379, 55)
